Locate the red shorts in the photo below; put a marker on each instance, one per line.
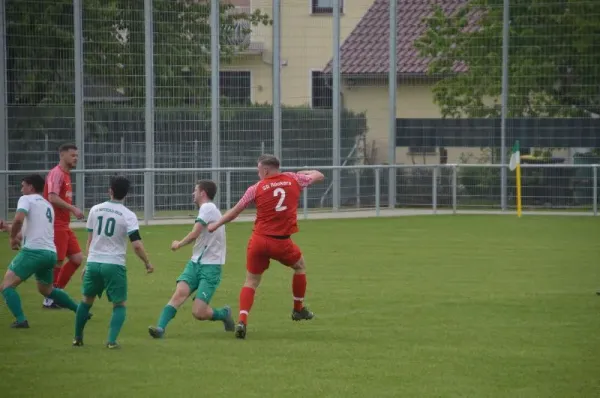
(262, 249)
(66, 244)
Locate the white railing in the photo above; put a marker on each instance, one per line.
(449, 188)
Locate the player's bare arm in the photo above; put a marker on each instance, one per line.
(229, 216)
(189, 238)
(315, 175)
(15, 230)
(140, 251)
(4, 226)
(57, 201)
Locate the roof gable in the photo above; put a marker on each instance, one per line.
(366, 50)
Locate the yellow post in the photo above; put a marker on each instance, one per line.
(518, 190)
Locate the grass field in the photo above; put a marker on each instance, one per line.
(443, 306)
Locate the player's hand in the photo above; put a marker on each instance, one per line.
(175, 245)
(211, 227)
(149, 268)
(15, 243)
(2, 225)
(78, 213)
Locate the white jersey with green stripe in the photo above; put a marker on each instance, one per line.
(38, 228)
(111, 223)
(209, 248)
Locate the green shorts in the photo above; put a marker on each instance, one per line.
(31, 261)
(202, 278)
(110, 277)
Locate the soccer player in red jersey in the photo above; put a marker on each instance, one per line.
(59, 192)
(276, 197)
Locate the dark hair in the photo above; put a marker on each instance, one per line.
(209, 187)
(119, 186)
(269, 160)
(67, 147)
(36, 181)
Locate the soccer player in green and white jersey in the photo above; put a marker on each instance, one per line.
(109, 226)
(34, 220)
(202, 274)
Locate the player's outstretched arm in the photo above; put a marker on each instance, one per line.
(229, 216)
(192, 236)
(236, 210)
(4, 226)
(315, 175)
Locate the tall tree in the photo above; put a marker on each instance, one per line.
(554, 58)
(40, 44)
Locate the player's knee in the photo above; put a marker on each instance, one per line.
(76, 259)
(252, 280)
(300, 266)
(201, 311)
(45, 290)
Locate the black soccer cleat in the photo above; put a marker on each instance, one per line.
(240, 330)
(20, 325)
(303, 314)
(77, 342)
(598, 292)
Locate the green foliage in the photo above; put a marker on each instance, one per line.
(554, 58)
(40, 43)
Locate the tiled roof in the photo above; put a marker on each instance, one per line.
(366, 49)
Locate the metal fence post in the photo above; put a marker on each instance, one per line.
(149, 177)
(215, 89)
(277, 79)
(595, 189)
(454, 189)
(336, 105)
(434, 190)
(504, 110)
(3, 115)
(377, 192)
(392, 88)
(228, 189)
(305, 203)
(79, 103)
(357, 188)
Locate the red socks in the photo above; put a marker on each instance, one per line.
(247, 296)
(66, 272)
(246, 301)
(299, 290)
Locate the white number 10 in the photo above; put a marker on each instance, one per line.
(281, 193)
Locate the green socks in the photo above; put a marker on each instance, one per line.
(167, 314)
(13, 302)
(61, 298)
(219, 314)
(81, 317)
(116, 323)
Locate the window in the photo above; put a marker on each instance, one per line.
(325, 6)
(321, 91)
(236, 87)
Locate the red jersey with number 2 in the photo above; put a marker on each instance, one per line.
(276, 200)
(58, 182)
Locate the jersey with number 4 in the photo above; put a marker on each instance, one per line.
(111, 223)
(276, 200)
(38, 228)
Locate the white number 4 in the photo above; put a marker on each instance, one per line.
(281, 193)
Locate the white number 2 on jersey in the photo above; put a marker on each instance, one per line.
(281, 193)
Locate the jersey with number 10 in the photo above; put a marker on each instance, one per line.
(276, 200)
(111, 224)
